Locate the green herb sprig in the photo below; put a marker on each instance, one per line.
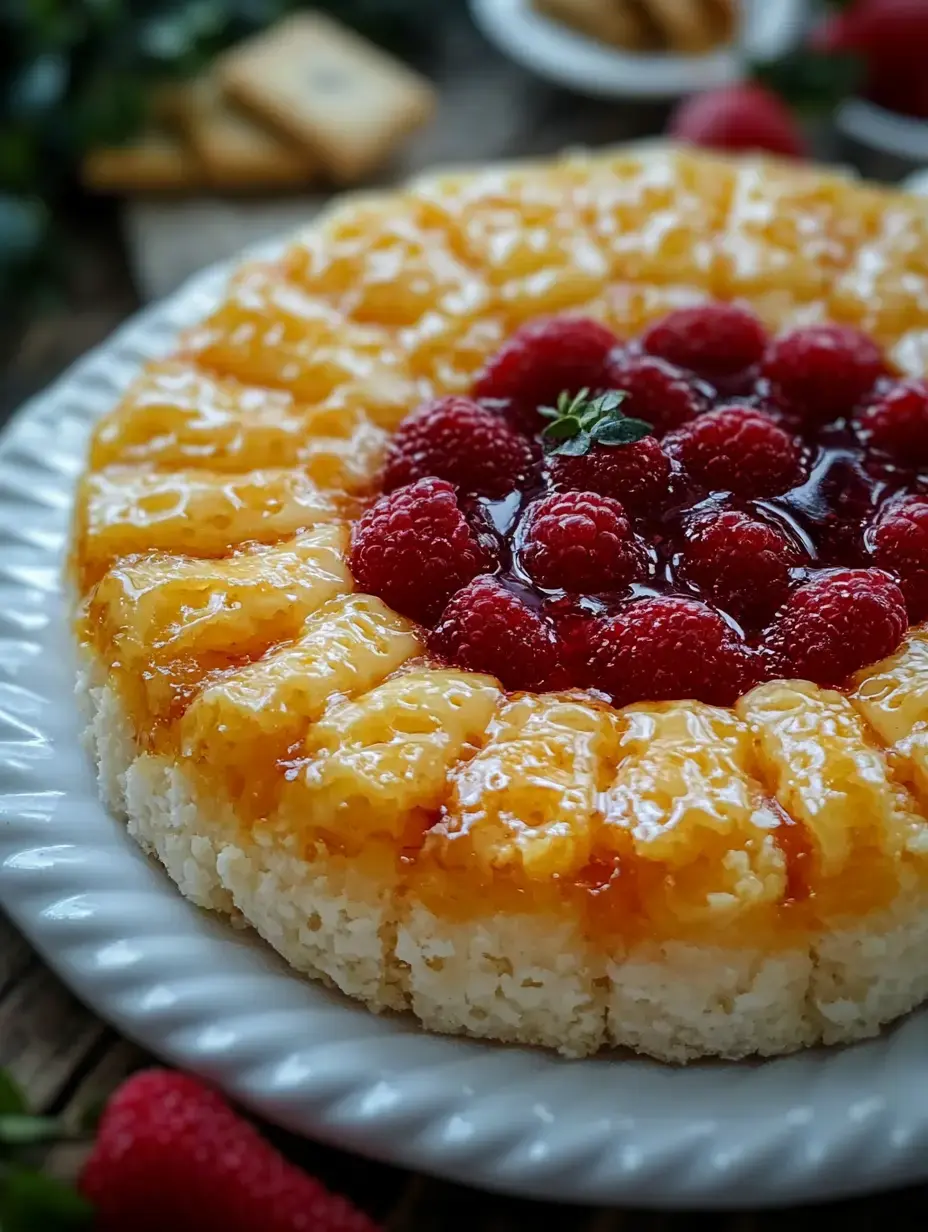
(579, 422)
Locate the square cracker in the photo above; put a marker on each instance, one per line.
(617, 22)
(330, 90)
(688, 26)
(236, 149)
(157, 161)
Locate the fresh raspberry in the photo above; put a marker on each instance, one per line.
(897, 422)
(898, 543)
(414, 549)
(637, 474)
(543, 359)
(822, 372)
(670, 647)
(738, 117)
(713, 340)
(581, 542)
(737, 449)
(171, 1154)
(574, 620)
(837, 623)
(487, 628)
(739, 562)
(658, 392)
(454, 438)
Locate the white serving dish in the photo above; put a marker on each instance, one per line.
(886, 131)
(561, 55)
(216, 1001)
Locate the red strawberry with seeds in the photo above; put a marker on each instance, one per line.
(487, 628)
(580, 542)
(837, 623)
(891, 35)
(544, 358)
(171, 1154)
(413, 548)
(738, 117)
(454, 438)
(669, 647)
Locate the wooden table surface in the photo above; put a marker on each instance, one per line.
(65, 1057)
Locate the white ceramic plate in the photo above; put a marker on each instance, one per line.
(886, 131)
(609, 1130)
(553, 51)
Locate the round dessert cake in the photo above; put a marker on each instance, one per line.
(507, 602)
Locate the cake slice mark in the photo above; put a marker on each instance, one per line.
(829, 775)
(241, 729)
(489, 943)
(177, 416)
(163, 624)
(892, 699)
(270, 332)
(125, 511)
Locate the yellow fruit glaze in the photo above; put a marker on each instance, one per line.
(210, 556)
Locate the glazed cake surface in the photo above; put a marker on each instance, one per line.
(683, 878)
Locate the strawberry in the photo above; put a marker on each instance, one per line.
(738, 117)
(172, 1155)
(890, 37)
(889, 34)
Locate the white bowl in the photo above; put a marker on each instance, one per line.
(553, 51)
(886, 131)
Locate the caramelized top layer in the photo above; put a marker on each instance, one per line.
(213, 521)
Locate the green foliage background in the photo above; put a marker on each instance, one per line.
(79, 73)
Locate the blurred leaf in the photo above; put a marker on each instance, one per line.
(18, 160)
(18, 1130)
(12, 1100)
(33, 1202)
(22, 228)
(812, 81)
(109, 110)
(39, 87)
(176, 36)
(75, 74)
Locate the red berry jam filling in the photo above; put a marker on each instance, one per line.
(684, 515)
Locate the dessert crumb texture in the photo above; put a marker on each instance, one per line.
(507, 603)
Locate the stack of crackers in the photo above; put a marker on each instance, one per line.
(305, 100)
(687, 27)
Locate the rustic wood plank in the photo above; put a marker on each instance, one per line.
(606, 1221)
(15, 956)
(45, 1034)
(115, 1060)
